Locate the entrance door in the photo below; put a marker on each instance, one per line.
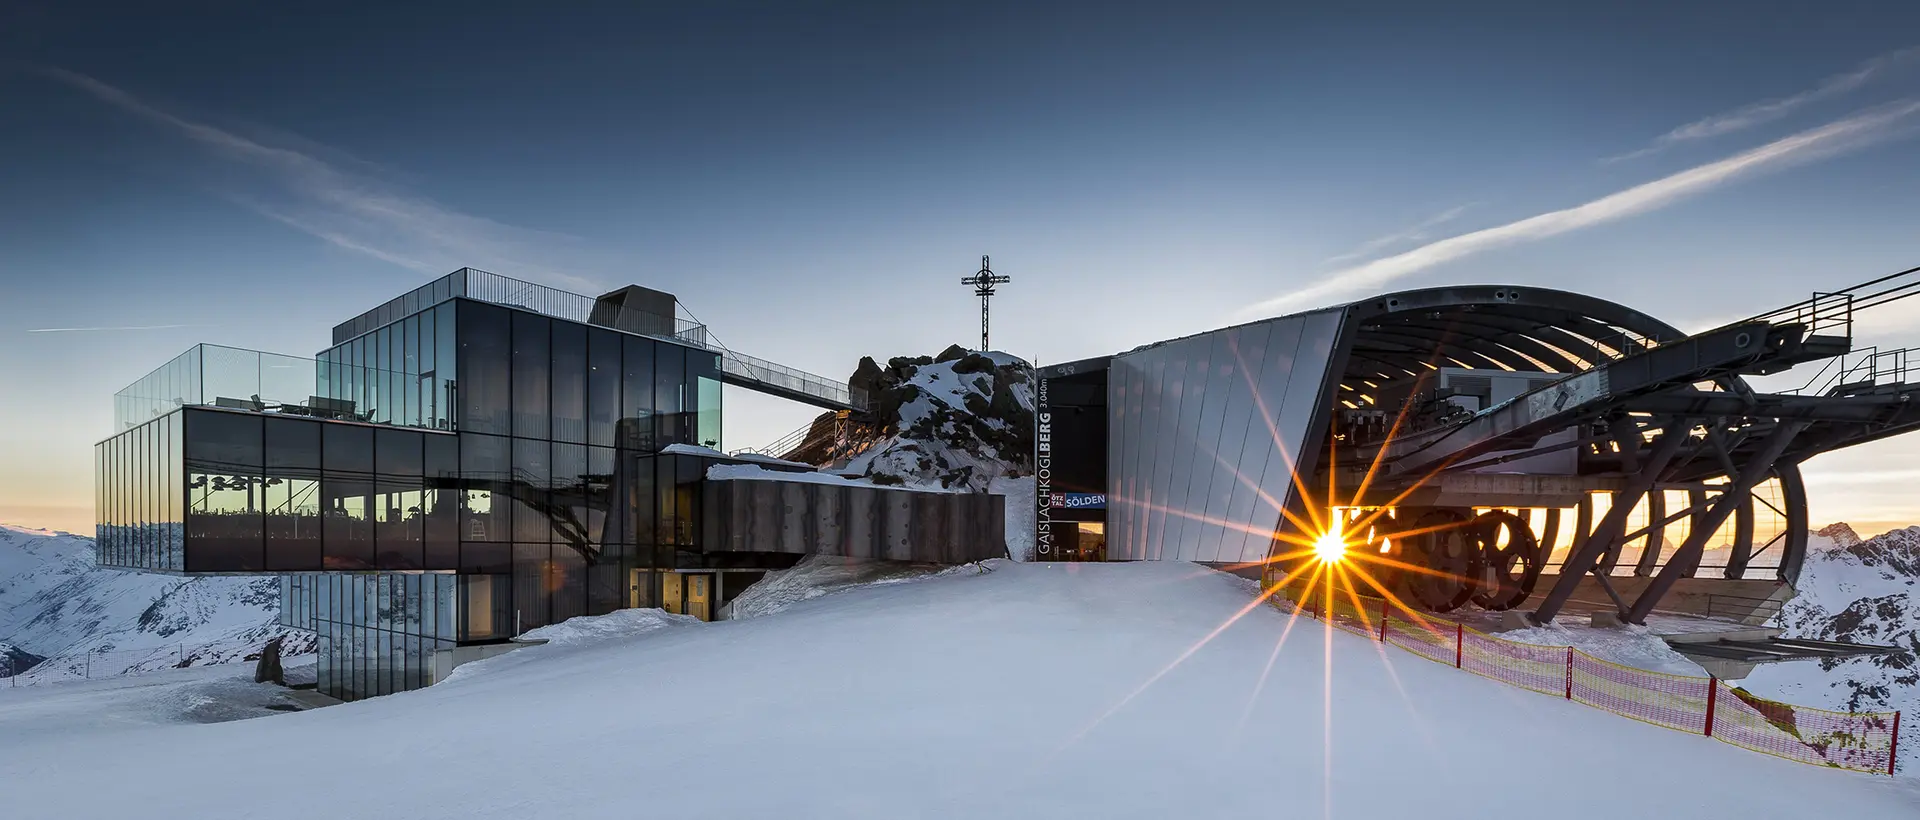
(671, 593)
(639, 588)
(700, 596)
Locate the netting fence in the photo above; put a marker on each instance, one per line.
(1857, 741)
(113, 663)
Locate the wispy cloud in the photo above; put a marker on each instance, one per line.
(1828, 140)
(349, 208)
(102, 329)
(1417, 233)
(1767, 111)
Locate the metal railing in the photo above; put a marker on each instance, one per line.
(1865, 367)
(778, 375)
(113, 663)
(493, 288)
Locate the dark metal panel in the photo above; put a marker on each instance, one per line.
(794, 525)
(827, 537)
(863, 522)
(896, 525)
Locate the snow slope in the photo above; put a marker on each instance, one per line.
(1020, 692)
(57, 603)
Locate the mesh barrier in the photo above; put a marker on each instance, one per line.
(1859, 741)
(1673, 701)
(1428, 641)
(1542, 669)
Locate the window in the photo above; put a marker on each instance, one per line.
(532, 382)
(634, 429)
(445, 369)
(669, 395)
(603, 385)
(441, 533)
(569, 382)
(346, 497)
(532, 478)
(485, 383)
(224, 467)
(398, 514)
(292, 494)
(573, 489)
(486, 465)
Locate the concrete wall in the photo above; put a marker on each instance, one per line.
(853, 521)
(446, 660)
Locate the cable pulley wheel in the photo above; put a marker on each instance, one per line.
(1510, 560)
(1448, 557)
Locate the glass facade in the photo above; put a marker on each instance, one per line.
(463, 473)
(377, 631)
(1204, 436)
(139, 497)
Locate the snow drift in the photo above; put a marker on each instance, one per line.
(1033, 690)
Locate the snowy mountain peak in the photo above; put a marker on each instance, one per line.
(1841, 534)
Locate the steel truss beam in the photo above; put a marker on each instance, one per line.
(1734, 499)
(1606, 536)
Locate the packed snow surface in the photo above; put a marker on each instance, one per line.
(1032, 690)
(1627, 645)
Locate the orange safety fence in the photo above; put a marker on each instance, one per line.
(1859, 741)
(1673, 701)
(1846, 740)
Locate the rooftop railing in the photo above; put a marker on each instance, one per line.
(483, 286)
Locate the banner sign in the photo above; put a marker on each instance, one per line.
(1043, 474)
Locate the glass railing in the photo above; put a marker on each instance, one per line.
(208, 375)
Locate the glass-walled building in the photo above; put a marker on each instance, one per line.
(469, 461)
(460, 472)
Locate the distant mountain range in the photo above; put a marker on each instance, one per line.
(1862, 591)
(62, 616)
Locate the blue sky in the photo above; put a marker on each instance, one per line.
(812, 179)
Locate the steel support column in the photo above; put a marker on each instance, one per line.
(1607, 534)
(1737, 496)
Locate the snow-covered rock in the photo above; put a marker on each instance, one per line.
(88, 620)
(958, 421)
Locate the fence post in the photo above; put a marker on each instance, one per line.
(1459, 644)
(1893, 748)
(1569, 673)
(1384, 610)
(1713, 692)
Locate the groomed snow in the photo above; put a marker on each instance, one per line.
(1003, 694)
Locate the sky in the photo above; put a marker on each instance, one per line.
(812, 179)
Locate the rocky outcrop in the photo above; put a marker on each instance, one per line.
(959, 420)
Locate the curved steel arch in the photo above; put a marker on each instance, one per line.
(1504, 326)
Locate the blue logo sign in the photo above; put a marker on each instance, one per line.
(1081, 501)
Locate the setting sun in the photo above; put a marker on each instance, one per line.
(1330, 546)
